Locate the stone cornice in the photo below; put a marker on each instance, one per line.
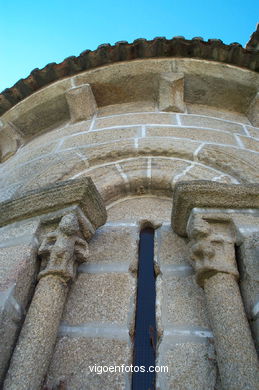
(79, 192)
(213, 50)
(208, 194)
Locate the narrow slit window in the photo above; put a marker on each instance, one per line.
(145, 323)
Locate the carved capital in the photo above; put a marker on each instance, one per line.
(211, 247)
(63, 248)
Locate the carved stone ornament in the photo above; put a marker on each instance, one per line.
(63, 248)
(211, 247)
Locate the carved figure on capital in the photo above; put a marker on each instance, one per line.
(63, 248)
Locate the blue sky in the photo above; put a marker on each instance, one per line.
(34, 33)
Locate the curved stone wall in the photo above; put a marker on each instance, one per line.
(136, 128)
(130, 141)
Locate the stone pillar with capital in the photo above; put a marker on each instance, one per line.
(61, 250)
(202, 211)
(213, 255)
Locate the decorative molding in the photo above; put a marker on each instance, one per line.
(213, 50)
(171, 92)
(211, 246)
(62, 248)
(79, 192)
(81, 102)
(207, 194)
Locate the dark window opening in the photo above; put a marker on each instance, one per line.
(145, 323)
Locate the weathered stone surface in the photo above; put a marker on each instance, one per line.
(205, 109)
(123, 108)
(211, 246)
(171, 249)
(141, 209)
(249, 283)
(56, 168)
(163, 172)
(236, 355)
(73, 356)
(253, 111)
(18, 251)
(109, 182)
(57, 196)
(184, 301)
(193, 134)
(137, 175)
(11, 315)
(205, 194)
(213, 50)
(253, 131)
(212, 123)
(37, 339)
(42, 110)
(191, 366)
(128, 82)
(201, 172)
(250, 143)
(159, 146)
(10, 140)
(241, 164)
(100, 297)
(95, 137)
(171, 92)
(135, 119)
(81, 102)
(114, 244)
(111, 151)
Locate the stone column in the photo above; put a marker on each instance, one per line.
(33, 352)
(213, 256)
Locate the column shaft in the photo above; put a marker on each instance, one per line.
(37, 339)
(236, 355)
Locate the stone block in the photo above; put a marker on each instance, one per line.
(114, 245)
(19, 266)
(253, 131)
(171, 249)
(239, 163)
(115, 150)
(137, 174)
(253, 111)
(31, 152)
(100, 298)
(249, 280)
(212, 123)
(202, 135)
(162, 173)
(166, 147)
(43, 110)
(199, 172)
(73, 356)
(191, 366)
(171, 92)
(11, 315)
(125, 82)
(250, 143)
(10, 140)
(184, 301)
(202, 109)
(124, 108)
(95, 137)
(81, 102)
(141, 209)
(108, 181)
(135, 119)
(208, 194)
(57, 134)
